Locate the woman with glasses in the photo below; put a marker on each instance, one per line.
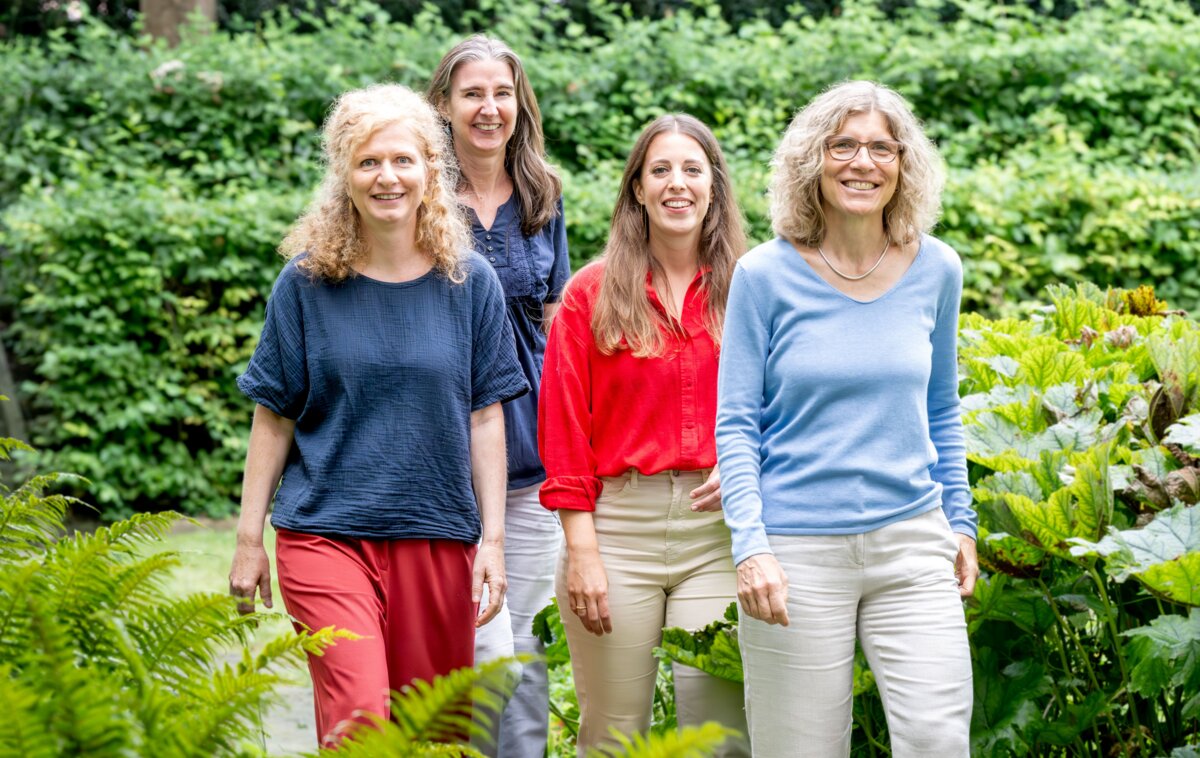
(843, 466)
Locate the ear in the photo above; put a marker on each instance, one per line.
(638, 193)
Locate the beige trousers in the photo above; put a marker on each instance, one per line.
(666, 566)
(894, 590)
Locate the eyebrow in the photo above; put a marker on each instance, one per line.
(502, 85)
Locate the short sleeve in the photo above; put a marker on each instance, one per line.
(560, 269)
(277, 376)
(496, 375)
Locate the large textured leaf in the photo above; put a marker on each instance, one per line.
(1186, 434)
(713, 649)
(1006, 704)
(1165, 653)
(1047, 365)
(1164, 555)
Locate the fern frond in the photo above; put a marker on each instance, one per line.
(290, 649)
(24, 732)
(29, 521)
(143, 579)
(88, 717)
(227, 710)
(8, 444)
(141, 527)
(441, 710)
(688, 742)
(17, 582)
(425, 713)
(181, 637)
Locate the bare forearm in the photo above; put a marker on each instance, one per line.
(579, 531)
(270, 442)
(489, 470)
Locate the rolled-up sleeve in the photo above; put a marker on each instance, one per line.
(564, 411)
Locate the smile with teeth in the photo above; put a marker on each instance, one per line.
(678, 203)
(488, 127)
(860, 185)
(389, 196)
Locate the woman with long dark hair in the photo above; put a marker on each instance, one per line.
(626, 432)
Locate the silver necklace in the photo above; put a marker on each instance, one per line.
(887, 243)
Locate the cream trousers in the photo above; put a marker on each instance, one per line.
(666, 566)
(894, 589)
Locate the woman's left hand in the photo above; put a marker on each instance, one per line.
(966, 566)
(489, 570)
(707, 497)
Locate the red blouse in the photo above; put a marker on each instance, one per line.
(601, 415)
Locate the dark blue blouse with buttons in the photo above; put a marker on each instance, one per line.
(533, 271)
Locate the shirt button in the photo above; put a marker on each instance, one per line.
(492, 258)
(489, 248)
(487, 236)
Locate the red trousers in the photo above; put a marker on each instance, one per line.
(410, 599)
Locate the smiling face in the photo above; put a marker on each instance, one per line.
(387, 179)
(859, 186)
(482, 106)
(675, 186)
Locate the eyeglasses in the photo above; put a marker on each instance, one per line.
(880, 150)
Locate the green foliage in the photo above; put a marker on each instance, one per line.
(713, 649)
(96, 661)
(145, 189)
(135, 325)
(1078, 489)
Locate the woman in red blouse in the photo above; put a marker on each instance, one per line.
(625, 430)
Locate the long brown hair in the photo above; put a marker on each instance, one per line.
(623, 316)
(536, 183)
(329, 230)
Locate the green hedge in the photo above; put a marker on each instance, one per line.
(135, 324)
(145, 189)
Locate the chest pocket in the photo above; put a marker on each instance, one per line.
(511, 254)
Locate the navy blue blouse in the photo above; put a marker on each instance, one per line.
(381, 379)
(533, 271)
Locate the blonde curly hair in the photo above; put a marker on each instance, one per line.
(795, 189)
(329, 231)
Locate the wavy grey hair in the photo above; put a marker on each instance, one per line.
(797, 213)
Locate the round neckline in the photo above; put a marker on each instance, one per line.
(808, 268)
(407, 283)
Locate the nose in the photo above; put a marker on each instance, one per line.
(862, 158)
(387, 175)
(677, 179)
(489, 105)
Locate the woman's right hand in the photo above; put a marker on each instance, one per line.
(763, 588)
(251, 571)
(587, 589)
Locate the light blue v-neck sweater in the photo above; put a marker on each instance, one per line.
(837, 416)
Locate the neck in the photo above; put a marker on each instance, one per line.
(676, 257)
(485, 173)
(855, 240)
(393, 250)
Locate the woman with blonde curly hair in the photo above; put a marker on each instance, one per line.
(625, 428)
(378, 379)
(841, 450)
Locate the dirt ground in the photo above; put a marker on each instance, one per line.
(290, 728)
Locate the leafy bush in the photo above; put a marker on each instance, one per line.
(145, 188)
(134, 325)
(1083, 435)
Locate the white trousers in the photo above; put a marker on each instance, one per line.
(532, 537)
(894, 590)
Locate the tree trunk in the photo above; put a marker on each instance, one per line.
(164, 17)
(14, 422)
